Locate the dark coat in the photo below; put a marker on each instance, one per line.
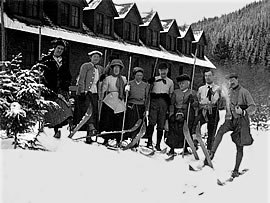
(56, 79)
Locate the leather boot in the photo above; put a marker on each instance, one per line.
(159, 138)
(149, 134)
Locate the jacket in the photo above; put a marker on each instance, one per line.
(86, 76)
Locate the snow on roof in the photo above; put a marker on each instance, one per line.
(147, 17)
(197, 35)
(166, 24)
(123, 9)
(56, 32)
(183, 30)
(92, 4)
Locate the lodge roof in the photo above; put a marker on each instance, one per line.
(147, 17)
(167, 24)
(92, 4)
(197, 35)
(123, 9)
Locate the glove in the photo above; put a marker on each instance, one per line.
(127, 88)
(102, 77)
(238, 110)
(152, 80)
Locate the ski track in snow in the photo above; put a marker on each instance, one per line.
(76, 172)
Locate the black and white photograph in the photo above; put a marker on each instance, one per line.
(141, 101)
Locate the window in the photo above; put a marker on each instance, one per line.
(75, 17)
(155, 39)
(99, 23)
(64, 14)
(32, 8)
(108, 25)
(150, 33)
(168, 42)
(133, 34)
(173, 40)
(19, 6)
(29, 57)
(127, 30)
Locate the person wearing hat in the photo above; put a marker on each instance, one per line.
(209, 99)
(136, 104)
(113, 106)
(163, 88)
(241, 105)
(57, 78)
(178, 113)
(87, 92)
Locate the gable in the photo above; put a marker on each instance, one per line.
(155, 23)
(103, 6)
(174, 29)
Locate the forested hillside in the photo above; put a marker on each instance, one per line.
(240, 42)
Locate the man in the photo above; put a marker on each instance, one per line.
(89, 76)
(163, 88)
(178, 113)
(239, 109)
(208, 96)
(136, 104)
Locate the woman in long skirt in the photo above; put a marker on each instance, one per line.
(113, 106)
(57, 78)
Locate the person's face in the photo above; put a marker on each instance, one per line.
(208, 77)
(138, 76)
(233, 82)
(58, 51)
(116, 70)
(95, 58)
(163, 72)
(183, 85)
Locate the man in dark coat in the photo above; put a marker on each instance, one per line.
(239, 106)
(178, 113)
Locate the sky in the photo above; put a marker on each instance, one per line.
(188, 11)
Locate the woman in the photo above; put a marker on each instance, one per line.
(57, 78)
(136, 105)
(178, 113)
(113, 106)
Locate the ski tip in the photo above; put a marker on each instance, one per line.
(220, 183)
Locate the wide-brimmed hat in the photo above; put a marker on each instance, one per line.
(232, 75)
(95, 52)
(137, 69)
(183, 77)
(116, 62)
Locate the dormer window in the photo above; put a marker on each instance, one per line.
(75, 14)
(155, 39)
(99, 23)
(107, 25)
(64, 14)
(32, 8)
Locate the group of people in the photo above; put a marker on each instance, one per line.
(105, 89)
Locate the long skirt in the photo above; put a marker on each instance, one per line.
(58, 117)
(109, 121)
(134, 113)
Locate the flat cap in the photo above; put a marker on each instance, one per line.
(94, 52)
(183, 78)
(137, 69)
(232, 75)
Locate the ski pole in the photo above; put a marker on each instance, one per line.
(191, 87)
(124, 117)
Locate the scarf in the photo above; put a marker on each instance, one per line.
(120, 85)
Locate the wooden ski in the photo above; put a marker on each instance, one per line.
(189, 140)
(199, 139)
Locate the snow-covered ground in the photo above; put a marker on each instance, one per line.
(76, 172)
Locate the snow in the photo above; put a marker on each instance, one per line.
(123, 9)
(77, 172)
